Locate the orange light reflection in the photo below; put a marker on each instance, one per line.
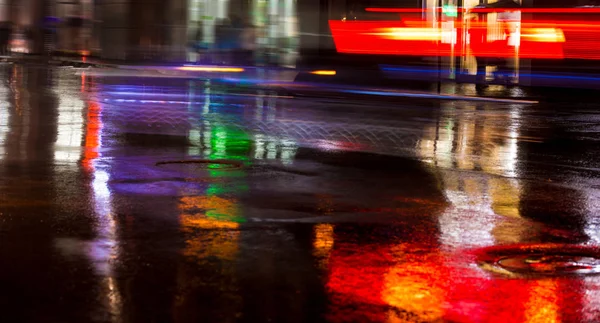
(323, 242)
(92, 136)
(416, 287)
(222, 240)
(386, 283)
(542, 306)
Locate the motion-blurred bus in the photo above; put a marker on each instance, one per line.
(436, 39)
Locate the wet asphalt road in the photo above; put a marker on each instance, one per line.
(311, 210)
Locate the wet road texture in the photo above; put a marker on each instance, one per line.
(157, 200)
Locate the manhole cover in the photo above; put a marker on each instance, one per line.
(198, 164)
(544, 260)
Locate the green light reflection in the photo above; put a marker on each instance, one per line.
(229, 143)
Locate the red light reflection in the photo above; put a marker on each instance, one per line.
(408, 282)
(394, 281)
(92, 136)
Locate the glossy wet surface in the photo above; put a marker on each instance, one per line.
(158, 200)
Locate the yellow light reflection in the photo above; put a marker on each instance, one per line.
(415, 287)
(211, 69)
(222, 241)
(323, 243)
(208, 238)
(220, 244)
(505, 195)
(475, 138)
(223, 205)
(197, 221)
(542, 306)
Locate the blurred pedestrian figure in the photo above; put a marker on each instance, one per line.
(490, 52)
(221, 51)
(197, 44)
(248, 44)
(478, 44)
(234, 39)
(262, 46)
(505, 47)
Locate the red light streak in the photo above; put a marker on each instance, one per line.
(486, 10)
(398, 10)
(547, 39)
(540, 10)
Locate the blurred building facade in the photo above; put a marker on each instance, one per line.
(155, 29)
(145, 29)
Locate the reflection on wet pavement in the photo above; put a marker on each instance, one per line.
(309, 210)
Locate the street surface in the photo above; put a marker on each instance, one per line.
(138, 199)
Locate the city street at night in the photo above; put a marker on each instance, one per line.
(155, 197)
